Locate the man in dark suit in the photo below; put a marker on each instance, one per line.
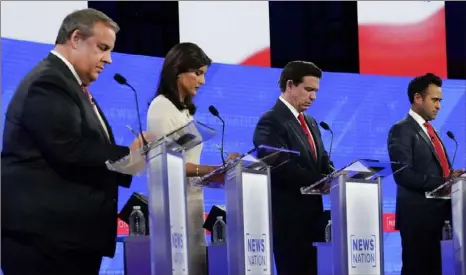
(59, 202)
(296, 217)
(414, 142)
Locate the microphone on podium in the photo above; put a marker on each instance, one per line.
(122, 80)
(327, 128)
(215, 113)
(452, 137)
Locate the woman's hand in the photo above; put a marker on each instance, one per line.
(218, 178)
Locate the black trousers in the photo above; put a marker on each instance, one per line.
(26, 254)
(421, 251)
(293, 250)
(294, 256)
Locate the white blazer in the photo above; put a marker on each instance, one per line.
(163, 117)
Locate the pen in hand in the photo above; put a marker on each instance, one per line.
(132, 130)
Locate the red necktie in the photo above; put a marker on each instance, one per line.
(86, 91)
(308, 134)
(438, 150)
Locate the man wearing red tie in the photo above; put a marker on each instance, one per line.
(415, 142)
(59, 201)
(297, 218)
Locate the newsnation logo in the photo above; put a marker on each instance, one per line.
(363, 251)
(256, 252)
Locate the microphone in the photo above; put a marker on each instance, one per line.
(215, 113)
(452, 137)
(122, 81)
(327, 128)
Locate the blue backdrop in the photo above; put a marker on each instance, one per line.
(359, 108)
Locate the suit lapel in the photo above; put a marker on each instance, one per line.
(109, 130)
(88, 113)
(424, 136)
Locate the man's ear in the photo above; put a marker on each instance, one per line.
(76, 38)
(289, 84)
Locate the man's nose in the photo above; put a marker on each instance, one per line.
(202, 79)
(107, 58)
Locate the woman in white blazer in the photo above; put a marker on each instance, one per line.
(183, 73)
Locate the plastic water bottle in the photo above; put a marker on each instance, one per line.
(328, 232)
(137, 222)
(219, 231)
(447, 231)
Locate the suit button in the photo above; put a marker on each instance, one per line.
(114, 200)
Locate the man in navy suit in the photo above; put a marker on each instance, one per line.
(297, 219)
(413, 141)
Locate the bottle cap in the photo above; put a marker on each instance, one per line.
(136, 207)
(219, 218)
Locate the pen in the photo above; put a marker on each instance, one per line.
(132, 130)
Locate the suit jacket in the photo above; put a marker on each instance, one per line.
(409, 144)
(279, 128)
(54, 180)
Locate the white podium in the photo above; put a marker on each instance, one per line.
(356, 247)
(248, 207)
(163, 161)
(454, 189)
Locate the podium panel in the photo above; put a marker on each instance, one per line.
(458, 203)
(164, 163)
(356, 214)
(364, 249)
(167, 211)
(455, 190)
(247, 193)
(249, 230)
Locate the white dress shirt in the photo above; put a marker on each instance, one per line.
(73, 71)
(419, 120)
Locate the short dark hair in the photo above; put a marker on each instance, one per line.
(419, 85)
(296, 71)
(84, 21)
(182, 58)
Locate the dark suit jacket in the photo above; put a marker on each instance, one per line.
(54, 180)
(279, 128)
(409, 144)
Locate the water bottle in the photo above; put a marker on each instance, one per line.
(219, 231)
(447, 231)
(328, 232)
(137, 222)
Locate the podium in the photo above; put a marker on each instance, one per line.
(356, 247)
(454, 251)
(247, 191)
(163, 161)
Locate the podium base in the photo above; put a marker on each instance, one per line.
(137, 255)
(324, 258)
(448, 260)
(217, 259)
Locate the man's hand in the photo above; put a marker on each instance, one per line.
(232, 156)
(138, 143)
(457, 172)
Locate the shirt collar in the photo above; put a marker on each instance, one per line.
(417, 117)
(291, 107)
(69, 65)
